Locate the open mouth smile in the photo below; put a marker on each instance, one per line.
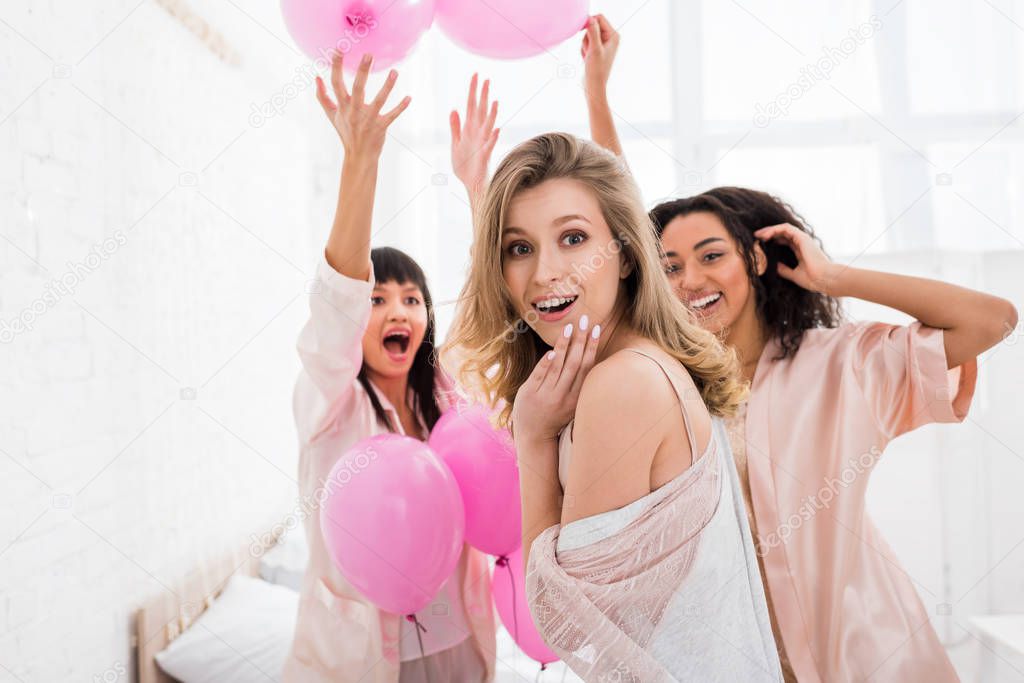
(554, 308)
(706, 304)
(396, 344)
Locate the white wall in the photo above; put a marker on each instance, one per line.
(117, 121)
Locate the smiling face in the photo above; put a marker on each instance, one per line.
(707, 270)
(559, 258)
(398, 323)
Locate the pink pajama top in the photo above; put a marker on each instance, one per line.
(340, 635)
(816, 424)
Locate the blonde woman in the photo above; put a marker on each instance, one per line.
(638, 556)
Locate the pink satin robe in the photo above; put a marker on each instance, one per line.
(341, 636)
(816, 424)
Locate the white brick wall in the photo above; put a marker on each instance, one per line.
(111, 483)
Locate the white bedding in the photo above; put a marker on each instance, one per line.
(243, 637)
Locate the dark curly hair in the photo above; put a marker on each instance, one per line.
(785, 309)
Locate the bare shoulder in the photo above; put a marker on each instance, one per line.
(625, 385)
(628, 393)
(626, 410)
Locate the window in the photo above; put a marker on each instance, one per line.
(888, 125)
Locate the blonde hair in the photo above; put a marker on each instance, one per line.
(491, 351)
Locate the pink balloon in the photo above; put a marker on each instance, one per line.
(521, 626)
(387, 29)
(392, 521)
(483, 461)
(510, 29)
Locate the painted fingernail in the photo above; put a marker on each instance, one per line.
(597, 332)
(567, 331)
(583, 322)
(551, 355)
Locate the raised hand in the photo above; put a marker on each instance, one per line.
(814, 270)
(473, 140)
(600, 43)
(360, 124)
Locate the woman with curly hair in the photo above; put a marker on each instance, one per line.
(825, 399)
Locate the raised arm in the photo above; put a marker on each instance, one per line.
(473, 141)
(330, 343)
(362, 129)
(972, 321)
(600, 43)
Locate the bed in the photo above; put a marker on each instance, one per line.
(162, 621)
(273, 574)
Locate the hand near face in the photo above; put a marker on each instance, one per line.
(814, 270)
(546, 402)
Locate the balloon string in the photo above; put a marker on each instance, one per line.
(423, 657)
(515, 604)
(503, 562)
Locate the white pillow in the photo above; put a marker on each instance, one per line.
(285, 563)
(244, 636)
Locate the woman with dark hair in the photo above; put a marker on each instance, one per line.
(392, 267)
(368, 367)
(783, 308)
(825, 399)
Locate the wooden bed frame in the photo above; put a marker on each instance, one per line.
(165, 618)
